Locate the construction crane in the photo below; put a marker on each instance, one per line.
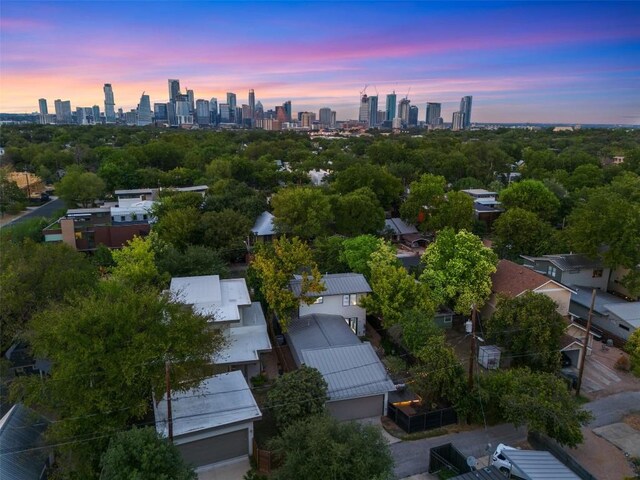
(364, 92)
(406, 97)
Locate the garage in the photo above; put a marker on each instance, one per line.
(216, 449)
(356, 408)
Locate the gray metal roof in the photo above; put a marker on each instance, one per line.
(21, 430)
(335, 284)
(628, 311)
(539, 465)
(351, 371)
(264, 225)
(318, 331)
(568, 261)
(604, 301)
(399, 226)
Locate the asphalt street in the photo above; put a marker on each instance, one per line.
(47, 210)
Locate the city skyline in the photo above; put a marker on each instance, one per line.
(544, 62)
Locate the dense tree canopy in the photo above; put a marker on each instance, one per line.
(321, 447)
(358, 212)
(533, 196)
(303, 212)
(80, 188)
(521, 232)
(458, 270)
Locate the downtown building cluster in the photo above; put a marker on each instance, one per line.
(183, 110)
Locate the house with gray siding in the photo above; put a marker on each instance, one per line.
(358, 383)
(571, 269)
(342, 296)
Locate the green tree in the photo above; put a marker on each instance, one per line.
(226, 231)
(297, 395)
(393, 290)
(458, 270)
(538, 400)
(633, 349)
(418, 327)
(31, 276)
(425, 197)
(357, 253)
(108, 350)
(303, 212)
(386, 186)
(456, 211)
(358, 212)
(140, 454)
(135, 264)
(78, 187)
(275, 266)
(531, 195)
(529, 327)
(327, 252)
(195, 260)
(179, 227)
(607, 223)
(521, 232)
(438, 375)
(321, 447)
(10, 193)
(28, 229)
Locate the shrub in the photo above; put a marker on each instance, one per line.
(623, 363)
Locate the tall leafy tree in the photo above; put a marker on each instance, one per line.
(529, 328)
(78, 187)
(386, 186)
(456, 211)
(135, 264)
(321, 447)
(357, 253)
(458, 270)
(358, 212)
(275, 266)
(140, 453)
(521, 232)
(425, 197)
(297, 395)
(607, 223)
(226, 231)
(303, 212)
(531, 195)
(108, 351)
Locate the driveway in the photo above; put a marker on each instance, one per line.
(412, 457)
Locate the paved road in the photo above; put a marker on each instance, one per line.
(412, 457)
(47, 210)
(613, 408)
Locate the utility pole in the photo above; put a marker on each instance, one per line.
(473, 346)
(586, 342)
(167, 379)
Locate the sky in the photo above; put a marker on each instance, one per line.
(542, 62)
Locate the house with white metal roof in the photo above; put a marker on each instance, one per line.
(229, 306)
(211, 423)
(342, 296)
(263, 229)
(358, 383)
(538, 465)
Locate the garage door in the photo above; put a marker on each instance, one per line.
(216, 449)
(357, 408)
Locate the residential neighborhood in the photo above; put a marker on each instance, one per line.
(237, 320)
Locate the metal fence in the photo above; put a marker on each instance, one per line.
(419, 422)
(447, 456)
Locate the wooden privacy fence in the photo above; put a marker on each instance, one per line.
(265, 460)
(419, 422)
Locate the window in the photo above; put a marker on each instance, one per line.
(145, 217)
(319, 300)
(353, 324)
(122, 218)
(597, 273)
(349, 300)
(623, 327)
(551, 271)
(448, 319)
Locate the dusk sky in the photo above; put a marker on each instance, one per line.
(551, 62)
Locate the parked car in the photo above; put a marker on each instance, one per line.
(499, 461)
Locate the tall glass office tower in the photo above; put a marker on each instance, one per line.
(391, 106)
(109, 104)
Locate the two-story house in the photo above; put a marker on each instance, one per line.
(342, 296)
(571, 269)
(231, 310)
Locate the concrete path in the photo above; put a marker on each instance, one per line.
(614, 408)
(622, 436)
(412, 457)
(232, 470)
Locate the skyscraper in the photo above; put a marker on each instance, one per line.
(109, 104)
(287, 110)
(281, 114)
(373, 111)
(231, 101)
(325, 117)
(457, 122)
(225, 113)
(433, 113)
(144, 110)
(259, 111)
(172, 119)
(391, 106)
(203, 117)
(252, 104)
(191, 100)
(213, 110)
(465, 109)
(413, 116)
(174, 90)
(96, 113)
(63, 111)
(403, 111)
(42, 103)
(363, 113)
(160, 112)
